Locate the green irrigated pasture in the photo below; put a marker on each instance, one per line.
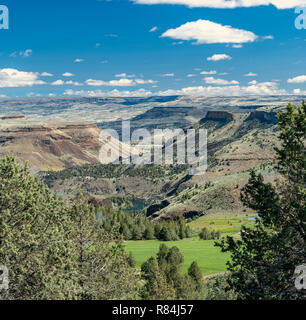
(210, 259)
(227, 223)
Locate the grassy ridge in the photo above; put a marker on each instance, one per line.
(210, 259)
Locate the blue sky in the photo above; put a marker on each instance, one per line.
(147, 47)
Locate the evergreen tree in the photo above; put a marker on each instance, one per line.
(33, 244)
(263, 262)
(196, 274)
(156, 287)
(131, 260)
(103, 267)
(149, 233)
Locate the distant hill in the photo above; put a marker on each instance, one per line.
(50, 145)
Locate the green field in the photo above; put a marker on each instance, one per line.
(210, 259)
(227, 223)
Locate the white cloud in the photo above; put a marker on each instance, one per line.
(61, 83)
(104, 61)
(46, 74)
(124, 82)
(209, 72)
(68, 74)
(299, 79)
(112, 93)
(219, 57)
(264, 88)
(190, 75)
(251, 74)
(142, 81)
(267, 37)
(212, 80)
(227, 4)
(237, 46)
(78, 60)
(16, 78)
(124, 75)
(205, 31)
(299, 92)
(168, 75)
(153, 29)
(75, 83)
(57, 83)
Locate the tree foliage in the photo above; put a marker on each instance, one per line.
(165, 280)
(263, 261)
(56, 251)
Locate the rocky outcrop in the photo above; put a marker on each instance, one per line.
(101, 202)
(222, 116)
(156, 207)
(262, 116)
(12, 118)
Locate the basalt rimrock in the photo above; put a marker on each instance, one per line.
(12, 117)
(223, 116)
(262, 116)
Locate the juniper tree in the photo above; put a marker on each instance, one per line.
(263, 261)
(33, 231)
(102, 264)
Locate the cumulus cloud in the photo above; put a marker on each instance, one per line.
(124, 75)
(68, 74)
(223, 82)
(209, 72)
(251, 74)
(57, 83)
(219, 57)
(16, 78)
(78, 60)
(61, 83)
(124, 82)
(227, 4)
(112, 93)
(263, 88)
(299, 92)
(205, 31)
(299, 79)
(46, 74)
